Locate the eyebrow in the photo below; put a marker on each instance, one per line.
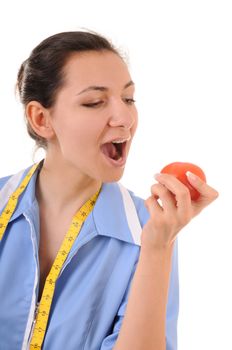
(103, 88)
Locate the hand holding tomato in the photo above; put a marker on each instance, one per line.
(181, 192)
(179, 170)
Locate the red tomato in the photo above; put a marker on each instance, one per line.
(179, 169)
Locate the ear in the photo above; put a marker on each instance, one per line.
(39, 119)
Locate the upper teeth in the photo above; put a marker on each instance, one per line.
(121, 141)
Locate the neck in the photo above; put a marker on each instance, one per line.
(61, 187)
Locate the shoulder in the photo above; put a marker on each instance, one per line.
(10, 182)
(3, 180)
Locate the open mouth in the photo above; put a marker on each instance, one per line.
(114, 151)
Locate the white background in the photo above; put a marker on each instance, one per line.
(181, 61)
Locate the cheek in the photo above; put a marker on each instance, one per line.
(79, 136)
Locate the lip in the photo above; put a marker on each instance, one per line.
(128, 138)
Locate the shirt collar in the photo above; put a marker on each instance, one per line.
(108, 214)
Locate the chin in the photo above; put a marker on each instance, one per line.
(115, 176)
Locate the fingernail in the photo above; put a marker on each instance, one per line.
(190, 175)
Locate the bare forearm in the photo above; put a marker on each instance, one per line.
(143, 326)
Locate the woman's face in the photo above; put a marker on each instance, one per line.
(93, 108)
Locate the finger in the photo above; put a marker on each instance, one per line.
(165, 196)
(207, 193)
(179, 190)
(153, 206)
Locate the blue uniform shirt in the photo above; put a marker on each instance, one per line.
(92, 290)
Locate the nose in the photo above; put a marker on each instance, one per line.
(123, 115)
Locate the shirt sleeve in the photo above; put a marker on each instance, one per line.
(172, 311)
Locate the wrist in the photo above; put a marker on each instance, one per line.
(161, 251)
(156, 261)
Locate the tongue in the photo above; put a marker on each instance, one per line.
(109, 149)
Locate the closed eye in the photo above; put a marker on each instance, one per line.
(93, 104)
(129, 101)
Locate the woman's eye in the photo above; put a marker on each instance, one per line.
(93, 104)
(130, 101)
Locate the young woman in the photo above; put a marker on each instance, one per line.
(84, 263)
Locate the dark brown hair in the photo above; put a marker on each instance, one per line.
(41, 75)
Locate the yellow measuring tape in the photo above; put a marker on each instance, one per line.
(12, 203)
(49, 287)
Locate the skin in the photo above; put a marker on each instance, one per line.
(74, 169)
(75, 132)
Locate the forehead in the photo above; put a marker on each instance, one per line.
(94, 67)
